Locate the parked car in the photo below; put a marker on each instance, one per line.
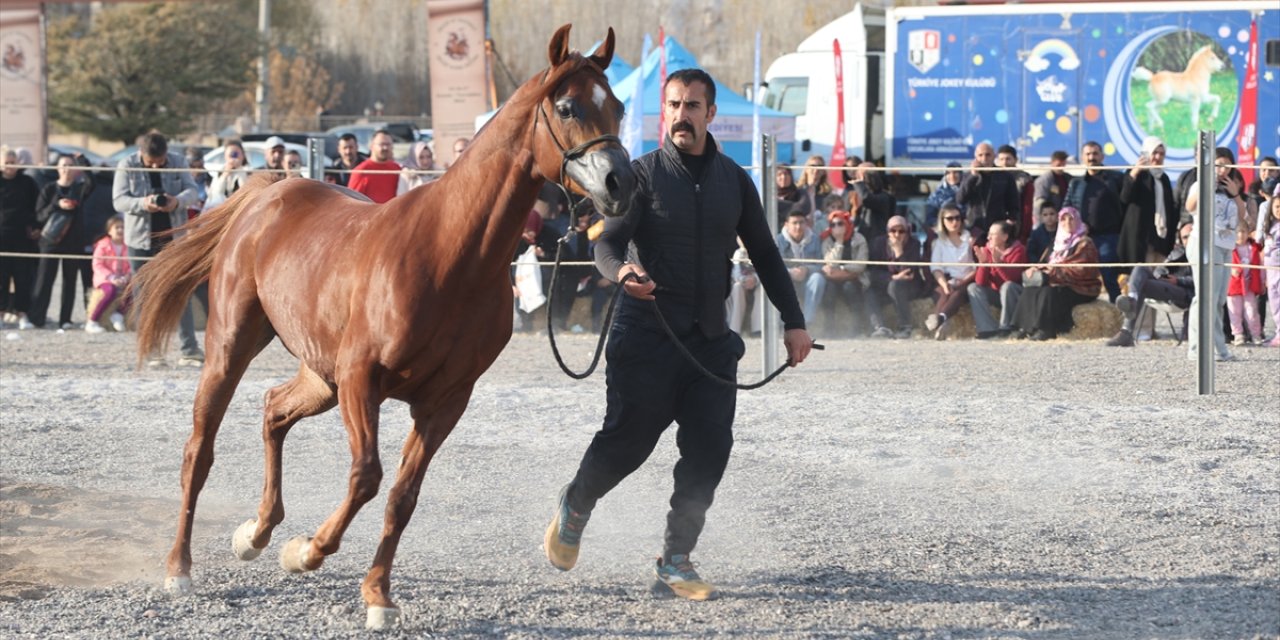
(402, 132)
(330, 141)
(174, 147)
(257, 155)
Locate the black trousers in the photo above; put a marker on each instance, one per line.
(650, 385)
(73, 272)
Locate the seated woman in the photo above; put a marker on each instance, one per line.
(951, 290)
(1050, 292)
(845, 282)
(899, 284)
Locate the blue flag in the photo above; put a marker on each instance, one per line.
(633, 122)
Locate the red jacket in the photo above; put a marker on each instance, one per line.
(380, 187)
(994, 277)
(1248, 280)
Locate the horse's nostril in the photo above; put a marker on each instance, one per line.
(611, 182)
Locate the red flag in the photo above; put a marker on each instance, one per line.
(836, 176)
(1249, 106)
(662, 82)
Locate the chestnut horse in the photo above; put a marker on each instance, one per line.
(410, 300)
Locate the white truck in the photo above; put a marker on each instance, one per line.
(803, 83)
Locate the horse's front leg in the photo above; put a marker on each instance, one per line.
(360, 413)
(1195, 112)
(1216, 101)
(431, 425)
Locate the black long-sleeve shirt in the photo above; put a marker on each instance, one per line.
(685, 232)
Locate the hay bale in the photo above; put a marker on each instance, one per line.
(94, 299)
(1093, 320)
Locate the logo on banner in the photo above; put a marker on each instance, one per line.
(1051, 89)
(924, 49)
(14, 64)
(457, 35)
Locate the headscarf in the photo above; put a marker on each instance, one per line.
(848, 224)
(411, 162)
(1149, 145)
(1064, 242)
(894, 221)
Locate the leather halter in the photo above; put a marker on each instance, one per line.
(567, 155)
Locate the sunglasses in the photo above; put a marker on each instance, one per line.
(897, 230)
(950, 218)
(837, 224)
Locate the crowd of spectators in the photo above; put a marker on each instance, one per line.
(974, 222)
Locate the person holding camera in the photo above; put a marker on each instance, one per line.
(1226, 208)
(60, 212)
(153, 201)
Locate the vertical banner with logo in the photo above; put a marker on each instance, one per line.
(838, 147)
(23, 120)
(455, 39)
(1249, 106)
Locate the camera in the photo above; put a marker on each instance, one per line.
(159, 199)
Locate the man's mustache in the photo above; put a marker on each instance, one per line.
(682, 126)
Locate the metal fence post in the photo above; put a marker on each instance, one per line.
(316, 159)
(770, 330)
(1204, 258)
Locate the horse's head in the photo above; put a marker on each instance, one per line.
(1205, 59)
(578, 117)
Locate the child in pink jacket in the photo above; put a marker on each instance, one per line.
(1243, 289)
(111, 274)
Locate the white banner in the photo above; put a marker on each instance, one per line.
(22, 96)
(455, 39)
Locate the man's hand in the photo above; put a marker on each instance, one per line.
(640, 289)
(798, 274)
(798, 344)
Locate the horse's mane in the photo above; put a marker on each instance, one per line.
(1200, 57)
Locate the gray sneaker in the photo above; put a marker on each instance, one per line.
(678, 574)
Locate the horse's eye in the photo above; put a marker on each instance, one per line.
(564, 110)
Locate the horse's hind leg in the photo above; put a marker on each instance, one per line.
(360, 414)
(430, 428)
(307, 394)
(230, 347)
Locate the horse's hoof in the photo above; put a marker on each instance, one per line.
(379, 618)
(177, 585)
(293, 556)
(242, 540)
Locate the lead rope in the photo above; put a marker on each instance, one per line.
(608, 323)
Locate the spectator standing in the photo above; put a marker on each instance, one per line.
(744, 294)
(855, 189)
(1165, 284)
(1271, 258)
(685, 190)
(1051, 186)
(846, 283)
(894, 284)
(231, 178)
(201, 178)
(380, 187)
(994, 285)
(1007, 157)
(1225, 210)
(877, 207)
(1044, 309)
(1096, 195)
(275, 155)
(813, 182)
(797, 241)
(153, 202)
(789, 195)
(349, 157)
(1244, 287)
(18, 233)
(292, 164)
(420, 159)
(1150, 219)
(947, 191)
(63, 198)
(988, 195)
(111, 274)
(951, 282)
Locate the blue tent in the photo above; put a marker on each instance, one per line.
(732, 125)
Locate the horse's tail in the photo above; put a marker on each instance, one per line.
(163, 285)
(1141, 74)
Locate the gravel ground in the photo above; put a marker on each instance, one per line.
(885, 489)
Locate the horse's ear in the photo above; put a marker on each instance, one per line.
(558, 50)
(604, 53)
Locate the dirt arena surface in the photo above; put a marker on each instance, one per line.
(884, 490)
